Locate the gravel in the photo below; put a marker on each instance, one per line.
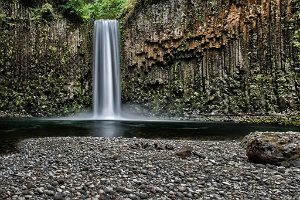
(123, 168)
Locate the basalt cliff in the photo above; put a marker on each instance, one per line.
(187, 57)
(179, 57)
(45, 59)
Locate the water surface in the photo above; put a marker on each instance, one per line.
(13, 131)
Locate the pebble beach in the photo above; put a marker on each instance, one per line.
(134, 168)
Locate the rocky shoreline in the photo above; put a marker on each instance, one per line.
(122, 168)
(8, 114)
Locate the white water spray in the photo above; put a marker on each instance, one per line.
(106, 70)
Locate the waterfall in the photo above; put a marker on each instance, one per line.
(106, 70)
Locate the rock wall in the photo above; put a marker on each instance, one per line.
(185, 57)
(45, 60)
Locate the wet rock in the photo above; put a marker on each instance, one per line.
(184, 151)
(273, 148)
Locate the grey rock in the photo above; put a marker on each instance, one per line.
(141, 173)
(159, 146)
(2, 193)
(281, 169)
(143, 195)
(25, 192)
(124, 190)
(109, 190)
(39, 190)
(30, 185)
(182, 189)
(184, 151)
(134, 197)
(198, 154)
(169, 147)
(58, 196)
(50, 192)
(28, 197)
(180, 194)
(54, 183)
(273, 147)
(61, 181)
(158, 189)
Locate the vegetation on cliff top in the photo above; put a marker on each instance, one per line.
(83, 10)
(96, 9)
(100, 9)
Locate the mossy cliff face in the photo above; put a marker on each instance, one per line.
(183, 57)
(45, 60)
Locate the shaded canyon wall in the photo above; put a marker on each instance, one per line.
(45, 60)
(185, 57)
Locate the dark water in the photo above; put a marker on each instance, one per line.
(13, 131)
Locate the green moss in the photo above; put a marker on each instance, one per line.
(45, 80)
(43, 14)
(295, 23)
(98, 9)
(2, 15)
(293, 120)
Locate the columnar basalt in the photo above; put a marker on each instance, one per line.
(45, 60)
(182, 57)
(190, 57)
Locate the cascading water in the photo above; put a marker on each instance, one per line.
(106, 70)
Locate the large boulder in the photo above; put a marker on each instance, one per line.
(279, 148)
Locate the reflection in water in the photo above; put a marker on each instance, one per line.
(105, 129)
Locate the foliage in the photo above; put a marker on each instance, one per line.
(43, 14)
(2, 15)
(95, 9)
(109, 9)
(84, 9)
(81, 8)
